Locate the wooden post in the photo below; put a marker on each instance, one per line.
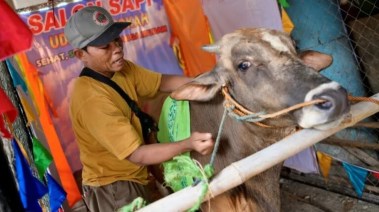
(240, 171)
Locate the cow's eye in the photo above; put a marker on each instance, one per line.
(243, 66)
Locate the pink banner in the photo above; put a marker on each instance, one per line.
(225, 16)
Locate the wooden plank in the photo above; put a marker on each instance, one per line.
(298, 196)
(364, 157)
(334, 184)
(351, 143)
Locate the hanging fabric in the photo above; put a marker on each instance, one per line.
(190, 31)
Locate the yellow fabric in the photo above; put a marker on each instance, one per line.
(325, 163)
(21, 60)
(106, 129)
(286, 22)
(27, 109)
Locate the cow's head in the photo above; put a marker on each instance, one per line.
(264, 73)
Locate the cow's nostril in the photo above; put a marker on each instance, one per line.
(329, 101)
(325, 105)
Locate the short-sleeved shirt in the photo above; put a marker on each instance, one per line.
(106, 129)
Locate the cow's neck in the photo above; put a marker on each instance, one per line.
(239, 140)
(273, 131)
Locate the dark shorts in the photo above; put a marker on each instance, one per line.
(111, 197)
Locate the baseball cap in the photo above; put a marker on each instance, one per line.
(92, 26)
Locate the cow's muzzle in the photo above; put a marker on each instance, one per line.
(329, 113)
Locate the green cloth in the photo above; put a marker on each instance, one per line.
(174, 122)
(182, 171)
(42, 157)
(174, 125)
(284, 3)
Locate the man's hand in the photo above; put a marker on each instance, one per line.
(201, 142)
(161, 152)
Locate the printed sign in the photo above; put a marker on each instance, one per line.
(146, 42)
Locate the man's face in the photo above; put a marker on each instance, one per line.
(105, 59)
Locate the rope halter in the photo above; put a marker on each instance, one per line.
(239, 112)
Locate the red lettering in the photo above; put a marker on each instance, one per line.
(153, 31)
(115, 7)
(130, 37)
(138, 3)
(128, 5)
(62, 16)
(51, 21)
(35, 24)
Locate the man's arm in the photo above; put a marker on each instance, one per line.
(170, 83)
(161, 152)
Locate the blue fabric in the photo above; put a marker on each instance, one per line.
(30, 188)
(357, 177)
(56, 194)
(16, 78)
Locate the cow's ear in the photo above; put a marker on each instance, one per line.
(202, 88)
(316, 60)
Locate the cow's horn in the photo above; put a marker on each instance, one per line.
(213, 48)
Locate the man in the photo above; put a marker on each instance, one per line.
(109, 134)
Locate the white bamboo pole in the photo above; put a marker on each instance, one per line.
(240, 171)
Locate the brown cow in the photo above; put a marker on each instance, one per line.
(263, 73)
